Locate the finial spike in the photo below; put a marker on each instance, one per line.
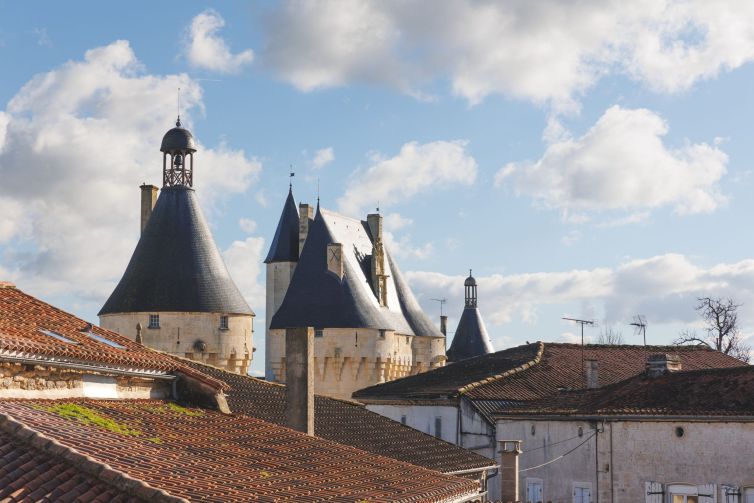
(317, 192)
(291, 174)
(470, 273)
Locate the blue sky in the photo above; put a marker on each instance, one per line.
(586, 160)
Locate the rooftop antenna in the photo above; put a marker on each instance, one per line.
(582, 323)
(441, 301)
(291, 174)
(640, 322)
(378, 206)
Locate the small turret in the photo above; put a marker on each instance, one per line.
(178, 144)
(471, 337)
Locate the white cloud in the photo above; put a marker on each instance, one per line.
(416, 168)
(323, 157)
(395, 222)
(571, 238)
(205, 49)
(244, 261)
(247, 225)
(546, 51)
(621, 163)
(664, 288)
(78, 142)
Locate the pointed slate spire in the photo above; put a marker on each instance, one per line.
(471, 337)
(284, 246)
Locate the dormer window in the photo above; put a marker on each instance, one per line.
(154, 321)
(224, 322)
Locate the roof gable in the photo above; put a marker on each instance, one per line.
(176, 266)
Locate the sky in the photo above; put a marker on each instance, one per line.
(586, 159)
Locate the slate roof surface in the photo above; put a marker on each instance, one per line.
(284, 247)
(176, 266)
(30, 475)
(317, 297)
(471, 338)
(347, 423)
(208, 456)
(521, 374)
(709, 392)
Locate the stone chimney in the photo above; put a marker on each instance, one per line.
(444, 325)
(591, 374)
(662, 363)
(379, 278)
(148, 200)
(299, 379)
(335, 259)
(305, 216)
(509, 476)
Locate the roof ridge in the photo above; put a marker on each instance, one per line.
(537, 358)
(87, 464)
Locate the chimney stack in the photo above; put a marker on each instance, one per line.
(662, 363)
(148, 200)
(299, 379)
(305, 216)
(591, 373)
(509, 476)
(444, 325)
(379, 278)
(374, 220)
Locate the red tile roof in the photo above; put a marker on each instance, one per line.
(533, 372)
(207, 456)
(711, 392)
(23, 316)
(348, 423)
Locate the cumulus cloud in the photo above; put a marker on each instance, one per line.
(78, 141)
(664, 288)
(546, 51)
(416, 168)
(205, 49)
(247, 225)
(323, 157)
(244, 261)
(622, 163)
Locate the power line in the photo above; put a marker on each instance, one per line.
(550, 445)
(559, 457)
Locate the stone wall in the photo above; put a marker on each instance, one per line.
(349, 359)
(279, 276)
(38, 381)
(179, 333)
(617, 459)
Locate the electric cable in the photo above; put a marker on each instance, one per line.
(559, 457)
(550, 445)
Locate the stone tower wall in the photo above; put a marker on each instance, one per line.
(279, 275)
(230, 349)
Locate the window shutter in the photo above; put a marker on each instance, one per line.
(654, 492)
(730, 494)
(707, 493)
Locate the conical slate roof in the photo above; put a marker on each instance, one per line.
(319, 298)
(284, 246)
(471, 337)
(176, 266)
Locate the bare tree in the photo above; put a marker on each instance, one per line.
(720, 318)
(609, 336)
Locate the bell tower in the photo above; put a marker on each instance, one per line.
(178, 149)
(470, 287)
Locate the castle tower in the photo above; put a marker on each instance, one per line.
(281, 262)
(369, 328)
(176, 293)
(471, 337)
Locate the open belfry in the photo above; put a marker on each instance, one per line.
(176, 295)
(334, 273)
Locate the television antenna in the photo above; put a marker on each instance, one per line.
(640, 322)
(441, 301)
(582, 323)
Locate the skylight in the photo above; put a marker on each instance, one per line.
(57, 336)
(104, 340)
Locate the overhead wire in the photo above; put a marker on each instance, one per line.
(561, 456)
(551, 444)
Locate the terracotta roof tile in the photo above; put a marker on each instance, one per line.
(22, 317)
(348, 423)
(208, 456)
(722, 392)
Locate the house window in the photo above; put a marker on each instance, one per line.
(403, 420)
(318, 332)
(154, 321)
(678, 493)
(534, 490)
(223, 322)
(582, 492)
(438, 427)
(382, 333)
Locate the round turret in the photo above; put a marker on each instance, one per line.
(178, 139)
